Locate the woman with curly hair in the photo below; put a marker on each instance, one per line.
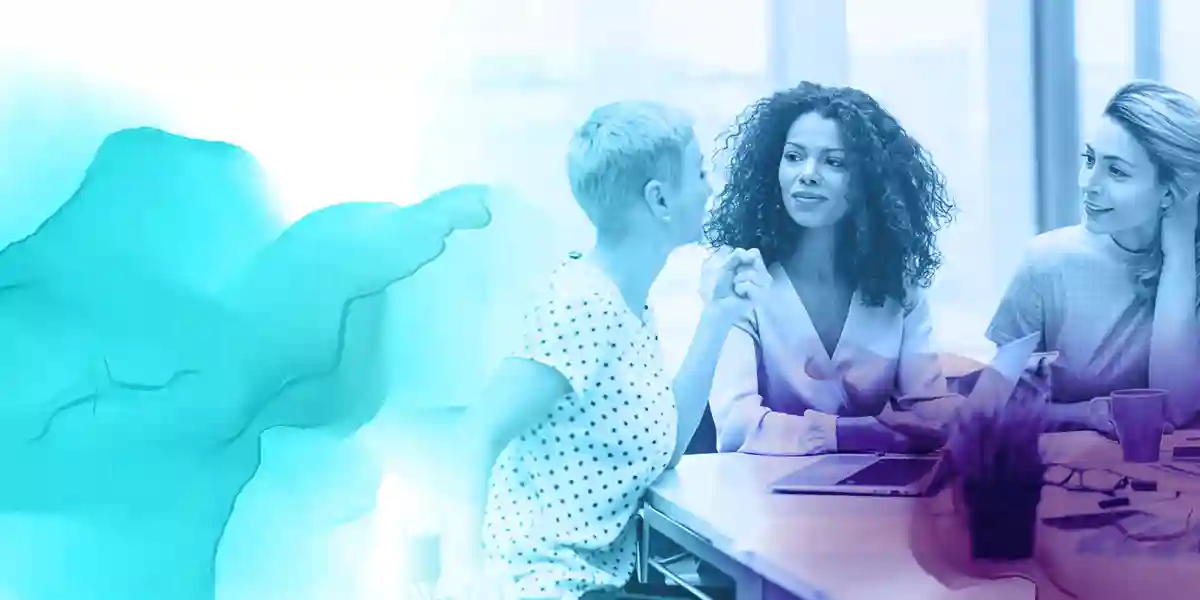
(1116, 296)
(844, 206)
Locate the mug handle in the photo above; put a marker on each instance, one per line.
(1100, 410)
(1168, 426)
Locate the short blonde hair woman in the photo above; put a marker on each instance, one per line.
(580, 420)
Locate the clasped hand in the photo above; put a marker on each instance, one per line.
(733, 280)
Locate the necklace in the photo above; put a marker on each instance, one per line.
(1122, 246)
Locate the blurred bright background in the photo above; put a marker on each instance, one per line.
(389, 101)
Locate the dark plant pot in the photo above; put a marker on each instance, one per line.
(1002, 518)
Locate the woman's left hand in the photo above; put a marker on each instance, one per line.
(1179, 226)
(920, 435)
(733, 280)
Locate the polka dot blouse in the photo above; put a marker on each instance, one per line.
(562, 496)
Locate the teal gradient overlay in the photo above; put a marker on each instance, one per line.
(165, 339)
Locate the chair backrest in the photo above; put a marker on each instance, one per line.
(705, 439)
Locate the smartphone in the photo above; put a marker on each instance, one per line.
(1190, 453)
(1089, 520)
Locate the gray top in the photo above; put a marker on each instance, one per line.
(1091, 301)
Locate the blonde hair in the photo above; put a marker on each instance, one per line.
(1166, 122)
(620, 148)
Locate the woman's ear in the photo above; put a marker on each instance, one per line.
(652, 195)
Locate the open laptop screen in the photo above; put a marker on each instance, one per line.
(892, 472)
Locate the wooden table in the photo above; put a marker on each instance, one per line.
(1105, 563)
(720, 508)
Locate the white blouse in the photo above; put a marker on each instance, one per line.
(563, 494)
(778, 391)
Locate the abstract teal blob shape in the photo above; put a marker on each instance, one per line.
(450, 324)
(153, 328)
(51, 122)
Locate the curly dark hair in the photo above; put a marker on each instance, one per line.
(898, 198)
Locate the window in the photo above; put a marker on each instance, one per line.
(927, 63)
(540, 66)
(1104, 49)
(1180, 45)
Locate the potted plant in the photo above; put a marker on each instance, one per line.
(999, 470)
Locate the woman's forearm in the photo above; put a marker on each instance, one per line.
(1175, 338)
(1069, 416)
(693, 382)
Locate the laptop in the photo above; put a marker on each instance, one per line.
(864, 475)
(902, 474)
